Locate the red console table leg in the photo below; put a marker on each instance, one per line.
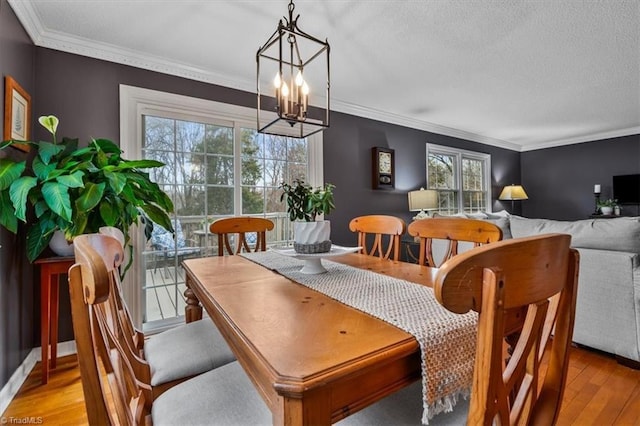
(45, 326)
(50, 271)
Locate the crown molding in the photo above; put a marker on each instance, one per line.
(413, 123)
(582, 139)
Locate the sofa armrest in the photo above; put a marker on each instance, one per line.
(608, 305)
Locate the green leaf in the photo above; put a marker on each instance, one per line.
(47, 150)
(8, 218)
(40, 207)
(73, 180)
(38, 237)
(57, 198)
(10, 171)
(79, 224)
(140, 164)
(101, 159)
(42, 170)
(108, 213)
(18, 192)
(83, 151)
(107, 146)
(90, 196)
(116, 181)
(158, 215)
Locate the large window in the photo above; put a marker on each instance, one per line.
(217, 165)
(460, 177)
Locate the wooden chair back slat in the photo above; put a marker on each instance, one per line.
(454, 231)
(225, 228)
(537, 276)
(379, 235)
(93, 283)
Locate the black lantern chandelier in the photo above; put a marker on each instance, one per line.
(292, 67)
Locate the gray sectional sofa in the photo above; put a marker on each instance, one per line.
(608, 305)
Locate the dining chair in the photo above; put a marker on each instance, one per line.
(382, 232)
(222, 396)
(434, 232)
(528, 282)
(162, 359)
(232, 230)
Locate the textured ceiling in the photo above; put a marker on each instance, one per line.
(517, 74)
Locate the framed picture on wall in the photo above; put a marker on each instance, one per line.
(17, 113)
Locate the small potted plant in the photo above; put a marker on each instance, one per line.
(78, 190)
(304, 204)
(607, 206)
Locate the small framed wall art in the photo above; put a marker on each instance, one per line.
(17, 113)
(383, 168)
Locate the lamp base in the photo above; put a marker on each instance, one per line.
(421, 215)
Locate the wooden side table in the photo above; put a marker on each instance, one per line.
(50, 270)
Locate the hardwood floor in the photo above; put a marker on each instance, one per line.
(599, 392)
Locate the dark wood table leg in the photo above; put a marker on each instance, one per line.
(193, 309)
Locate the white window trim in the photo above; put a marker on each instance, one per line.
(459, 154)
(136, 102)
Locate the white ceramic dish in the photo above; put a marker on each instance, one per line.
(313, 261)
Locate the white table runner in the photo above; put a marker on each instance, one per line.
(447, 340)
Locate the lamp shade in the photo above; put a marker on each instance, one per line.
(423, 199)
(513, 192)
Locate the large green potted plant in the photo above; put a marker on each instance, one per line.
(78, 190)
(304, 204)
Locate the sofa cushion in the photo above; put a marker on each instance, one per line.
(499, 219)
(619, 234)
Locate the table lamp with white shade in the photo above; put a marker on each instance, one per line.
(421, 201)
(513, 193)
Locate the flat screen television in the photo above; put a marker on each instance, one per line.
(626, 189)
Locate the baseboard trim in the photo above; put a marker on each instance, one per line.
(10, 390)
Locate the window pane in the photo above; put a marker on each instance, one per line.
(158, 133)
(219, 170)
(219, 140)
(297, 150)
(275, 147)
(189, 136)
(252, 200)
(474, 201)
(252, 143)
(472, 173)
(274, 172)
(189, 200)
(219, 200)
(442, 171)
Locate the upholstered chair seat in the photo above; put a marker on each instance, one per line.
(231, 399)
(185, 351)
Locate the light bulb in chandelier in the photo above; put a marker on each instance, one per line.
(277, 81)
(299, 80)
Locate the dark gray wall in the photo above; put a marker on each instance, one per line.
(347, 164)
(17, 297)
(559, 181)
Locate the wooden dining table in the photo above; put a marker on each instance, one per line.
(313, 360)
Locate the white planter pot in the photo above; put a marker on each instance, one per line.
(606, 210)
(311, 232)
(59, 245)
